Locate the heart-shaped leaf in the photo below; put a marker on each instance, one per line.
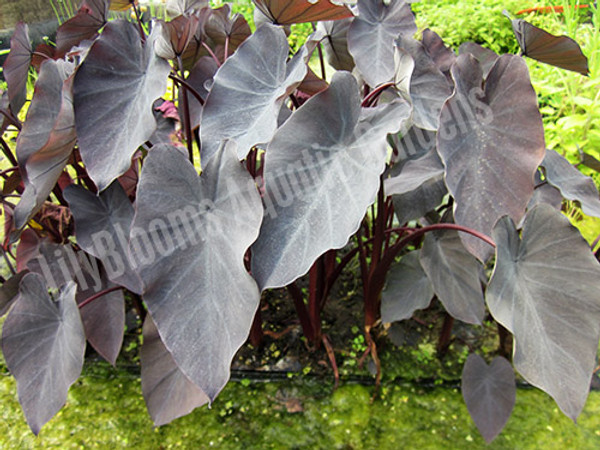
(544, 290)
(335, 43)
(178, 7)
(169, 394)
(572, 183)
(287, 12)
(46, 142)
(248, 92)
(102, 224)
(372, 34)
(43, 343)
(16, 67)
(491, 142)
(489, 392)
(325, 161)
(113, 97)
(189, 238)
(91, 16)
(486, 57)
(407, 289)
(221, 27)
(454, 274)
(429, 87)
(417, 187)
(442, 56)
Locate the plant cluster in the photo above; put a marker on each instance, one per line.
(256, 170)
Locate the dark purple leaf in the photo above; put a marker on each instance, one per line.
(92, 16)
(489, 392)
(189, 238)
(545, 193)
(491, 141)
(372, 34)
(175, 35)
(544, 290)
(43, 343)
(169, 394)
(559, 51)
(287, 12)
(248, 92)
(407, 289)
(9, 291)
(16, 67)
(324, 162)
(166, 116)
(178, 7)
(28, 248)
(454, 274)
(429, 87)
(200, 78)
(417, 187)
(312, 84)
(102, 224)
(221, 27)
(486, 57)
(413, 144)
(442, 56)
(47, 139)
(114, 90)
(335, 43)
(572, 184)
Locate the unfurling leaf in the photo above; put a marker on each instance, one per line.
(43, 343)
(325, 161)
(544, 290)
(189, 238)
(489, 392)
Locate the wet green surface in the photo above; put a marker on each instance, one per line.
(106, 409)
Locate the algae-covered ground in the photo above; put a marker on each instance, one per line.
(106, 410)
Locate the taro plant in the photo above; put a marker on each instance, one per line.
(195, 165)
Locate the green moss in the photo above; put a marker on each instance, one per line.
(105, 409)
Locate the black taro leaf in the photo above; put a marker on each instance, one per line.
(169, 394)
(287, 12)
(413, 144)
(104, 317)
(429, 87)
(166, 116)
(175, 35)
(545, 193)
(102, 224)
(491, 142)
(407, 289)
(46, 142)
(324, 162)
(442, 56)
(16, 67)
(9, 291)
(220, 27)
(199, 78)
(489, 392)
(486, 57)
(559, 51)
(178, 7)
(92, 16)
(335, 44)
(371, 37)
(454, 274)
(43, 343)
(572, 183)
(248, 92)
(418, 187)
(544, 290)
(114, 90)
(189, 237)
